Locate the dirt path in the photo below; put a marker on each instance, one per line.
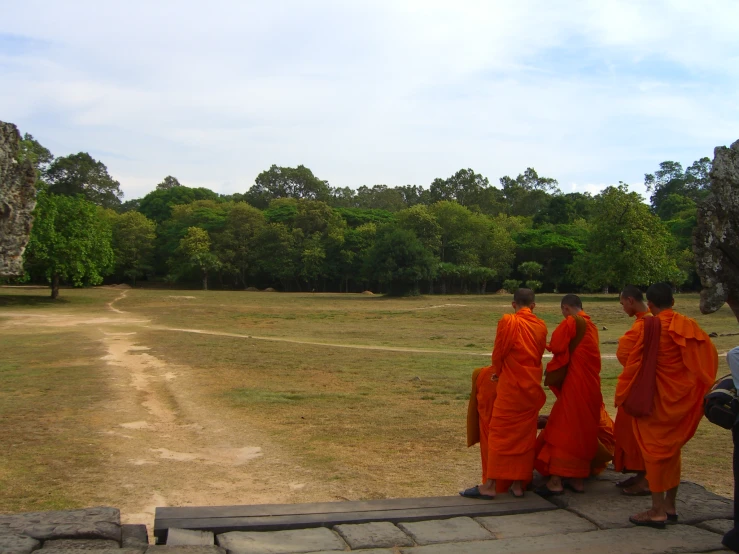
(171, 446)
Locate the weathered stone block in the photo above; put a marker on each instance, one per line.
(604, 505)
(721, 526)
(90, 523)
(281, 542)
(557, 522)
(78, 545)
(185, 550)
(638, 540)
(380, 534)
(14, 543)
(445, 530)
(17, 201)
(134, 535)
(184, 537)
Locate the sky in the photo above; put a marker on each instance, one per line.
(362, 92)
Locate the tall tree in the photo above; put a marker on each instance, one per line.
(168, 182)
(70, 241)
(133, 244)
(627, 244)
(236, 244)
(158, 204)
(33, 151)
(528, 194)
(287, 182)
(670, 179)
(195, 249)
(399, 262)
(82, 174)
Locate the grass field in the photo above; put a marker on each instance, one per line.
(136, 397)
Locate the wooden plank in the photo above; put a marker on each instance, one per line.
(267, 522)
(253, 510)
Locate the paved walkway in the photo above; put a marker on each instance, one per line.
(596, 522)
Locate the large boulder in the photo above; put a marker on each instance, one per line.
(716, 236)
(17, 201)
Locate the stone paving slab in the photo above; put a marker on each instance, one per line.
(185, 549)
(721, 526)
(188, 537)
(676, 539)
(604, 505)
(445, 530)
(534, 525)
(379, 534)
(281, 542)
(81, 545)
(15, 543)
(370, 551)
(90, 523)
(134, 535)
(116, 550)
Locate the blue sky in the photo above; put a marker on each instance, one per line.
(373, 92)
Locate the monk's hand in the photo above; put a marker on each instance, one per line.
(493, 377)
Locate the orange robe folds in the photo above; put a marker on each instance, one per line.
(606, 443)
(686, 368)
(569, 443)
(627, 456)
(509, 397)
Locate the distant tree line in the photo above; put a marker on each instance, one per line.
(293, 231)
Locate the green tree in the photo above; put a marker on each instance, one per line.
(33, 151)
(670, 179)
(70, 241)
(287, 182)
(399, 262)
(158, 204)
(627, 244)
(168, 182)
(469, 189)
(528, 194)
(236, 244)
(530, 269)
(195, 249)
(511, 285)
(82, 174)
(133, 244)
(277, 253)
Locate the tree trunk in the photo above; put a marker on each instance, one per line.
(54, 287)
(205, 280)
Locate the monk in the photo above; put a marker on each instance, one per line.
(508, 395)
(627, 457)
(568, 444)
(606, 441)
(683, 362)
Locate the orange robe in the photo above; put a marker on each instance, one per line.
(509, 397)
(569, 443)
(627, 456)
(687, 363)
(606, 443)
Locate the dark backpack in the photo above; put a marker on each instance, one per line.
(721, 404)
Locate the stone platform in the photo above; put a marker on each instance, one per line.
(596, 522)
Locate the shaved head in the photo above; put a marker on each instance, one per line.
(524, 297)
(572, 300)
(632, 291)
(660, 296)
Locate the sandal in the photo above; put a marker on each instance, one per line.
(546, 492)
(643, 520)
(474, 492)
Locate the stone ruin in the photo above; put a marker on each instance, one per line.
(716, 236)
(17, 201)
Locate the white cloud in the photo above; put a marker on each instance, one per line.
(374, 92)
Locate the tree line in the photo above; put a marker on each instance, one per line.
(293, 231)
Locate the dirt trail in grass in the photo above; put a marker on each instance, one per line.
(171, 446)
